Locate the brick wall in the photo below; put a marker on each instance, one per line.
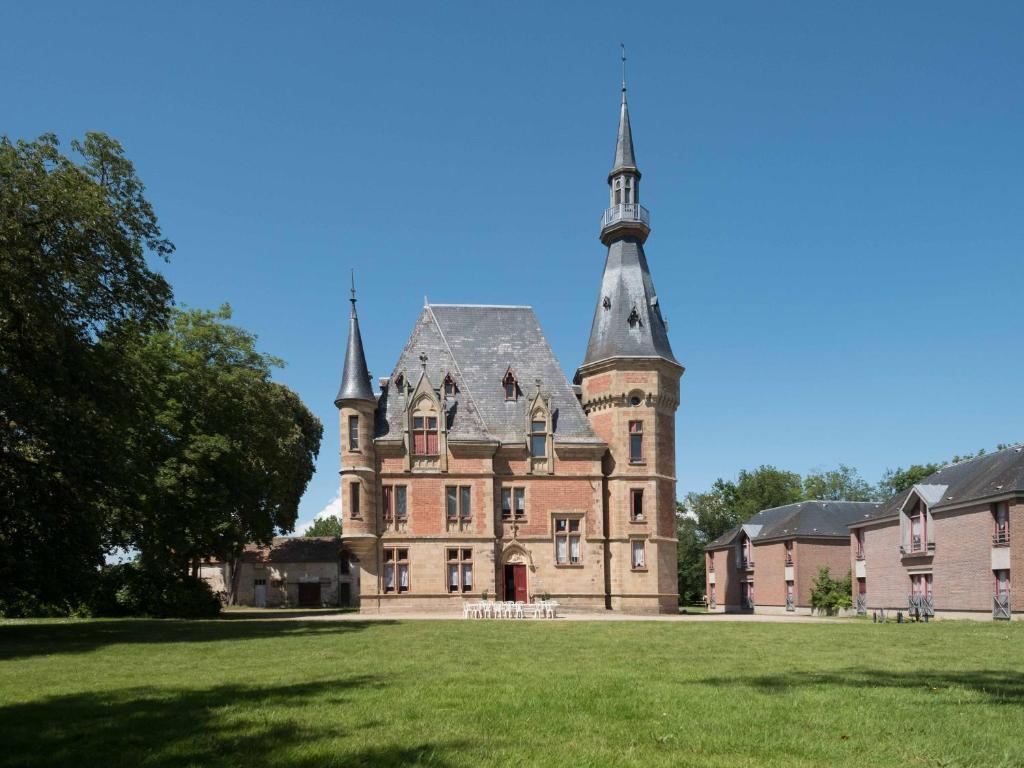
(887, 582)
(962, 565)
(1017, 556)
(810, 556)
(770, 573)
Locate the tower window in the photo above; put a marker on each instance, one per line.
(353, 433)
(636, 504)
(639, 555)
(636, 442)
(353, 501)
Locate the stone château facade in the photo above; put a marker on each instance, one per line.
(479, 468)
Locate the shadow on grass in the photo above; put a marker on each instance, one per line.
(995, 686)
(37, 638)
(293, 726)
(235, 614)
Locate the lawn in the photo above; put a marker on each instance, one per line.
(475, 693)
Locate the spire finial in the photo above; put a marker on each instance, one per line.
(622, 46)
(353, 299)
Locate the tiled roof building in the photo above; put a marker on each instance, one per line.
(946, 546)
(479, 467)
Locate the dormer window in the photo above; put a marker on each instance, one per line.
(538, 439)
(1001, 515)
(399, 379)
(424, 435)
(449, 386)
(510, 385)
(918, 528)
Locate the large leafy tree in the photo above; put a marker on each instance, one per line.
(325, 526)
(231, 450)
(840, 484)
(75, 287)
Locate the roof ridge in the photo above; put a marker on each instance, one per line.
(458, 368)
(485, 306)
(1016, 447)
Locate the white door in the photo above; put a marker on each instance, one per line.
(260, 593)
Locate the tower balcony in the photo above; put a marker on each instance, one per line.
(627, 218)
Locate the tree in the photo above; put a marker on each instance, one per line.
(690, 558)
(828, 595)
(764, 488)
(75, 286)
(898, 480)
(840, 484)
(230, 451)
(325, 526)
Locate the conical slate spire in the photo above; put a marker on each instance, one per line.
(625, 159)
(355, 377)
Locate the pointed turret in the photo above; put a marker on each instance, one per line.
(355, 377)
(627, 320)
(625, 159)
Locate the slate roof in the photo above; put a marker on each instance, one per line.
(804, 519)
(295, 549)
(477, 345)
(625, 158)
(355, 377)
(627, 286)
(993, 474)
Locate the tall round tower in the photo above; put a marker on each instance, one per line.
(630, 391)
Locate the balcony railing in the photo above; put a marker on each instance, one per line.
(1001, 539)
(860, 554)
(745, 565)
(920, 605)
(862, 605)
(789, 560)
(1001, 606)
(790, 605)
(626, 212)
(917, 548)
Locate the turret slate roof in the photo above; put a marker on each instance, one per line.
(995, 474)
(477, 345)
(355, 377)
(627, 318)
(625, 158)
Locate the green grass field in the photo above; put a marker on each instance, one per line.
(472, 693)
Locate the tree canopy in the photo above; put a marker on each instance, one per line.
(325, 526)
(123, 421)
(75, 287)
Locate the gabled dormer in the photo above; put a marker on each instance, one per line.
(916, 528)
(540, 433)
(426, 433)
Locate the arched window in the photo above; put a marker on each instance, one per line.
(450, 387)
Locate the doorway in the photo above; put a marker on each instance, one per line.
(309, 594)
(259, 589)
(515, 583)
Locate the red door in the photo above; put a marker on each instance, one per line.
(515, 583)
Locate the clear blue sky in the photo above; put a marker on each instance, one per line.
(836, 192)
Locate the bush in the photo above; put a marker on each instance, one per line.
(127, 590)
(828, 595)
(19, 604)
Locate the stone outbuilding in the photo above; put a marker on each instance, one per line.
(300, 571)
